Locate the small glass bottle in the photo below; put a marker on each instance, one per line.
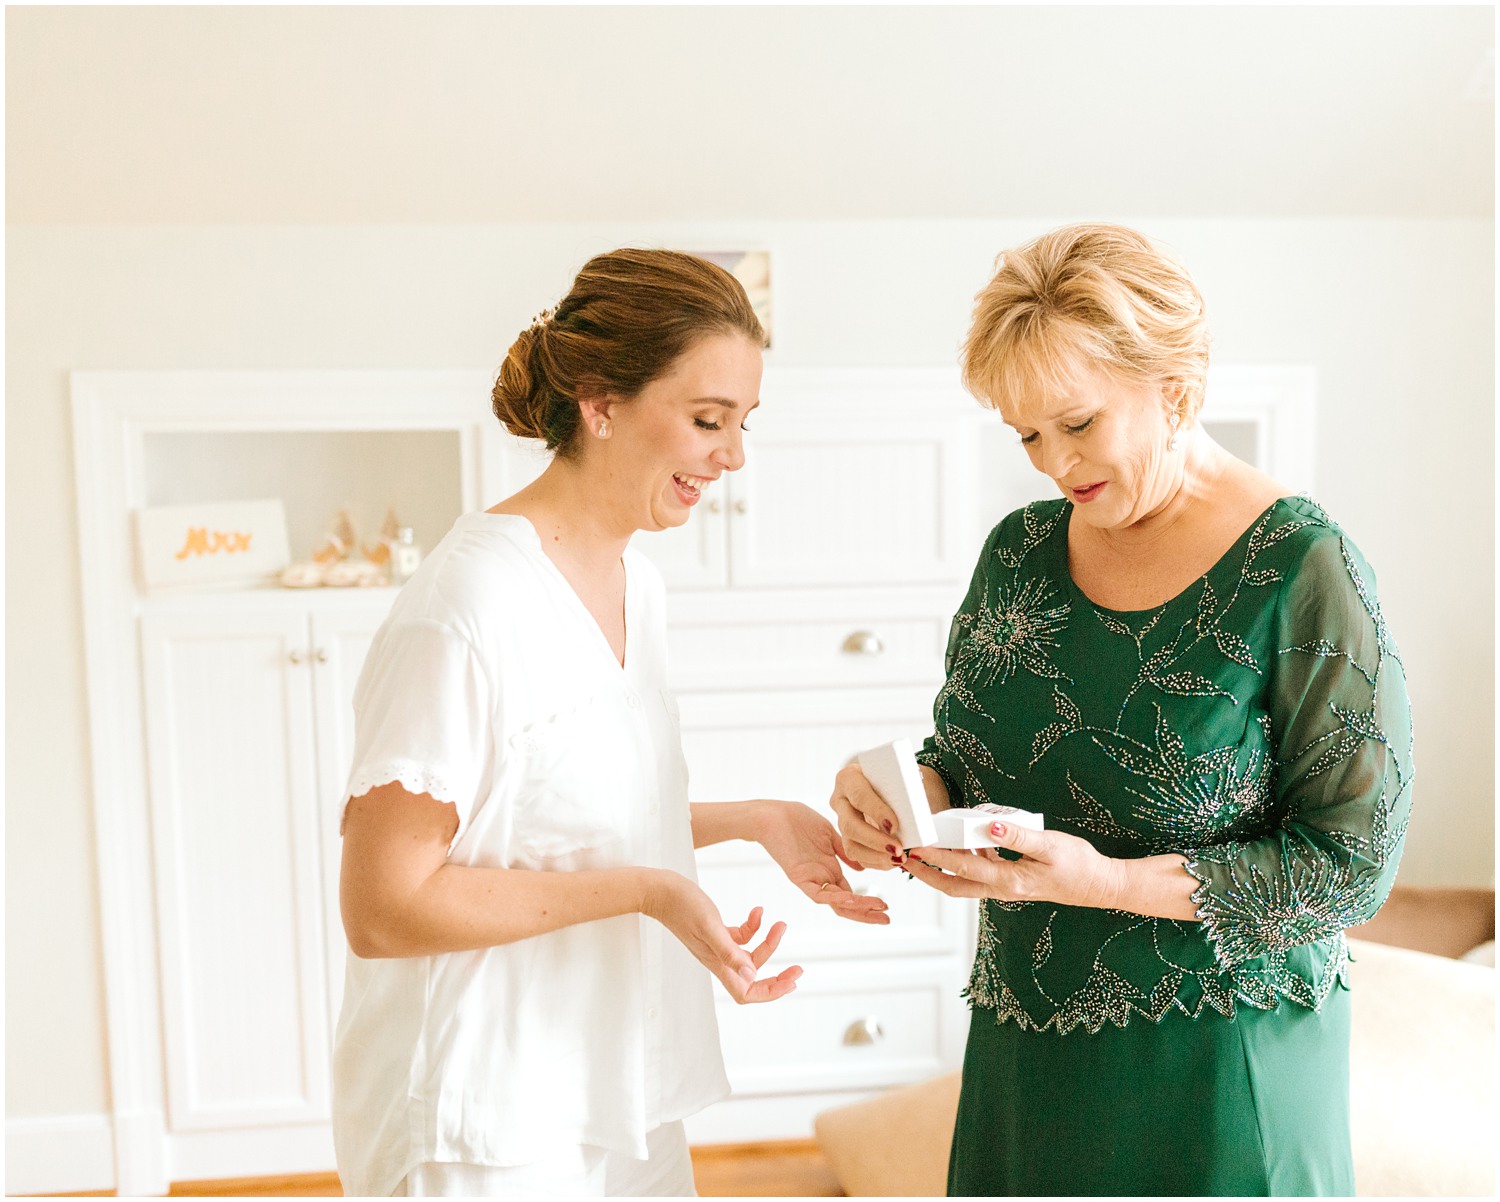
(405, 556)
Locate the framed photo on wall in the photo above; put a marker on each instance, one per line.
(753, 270)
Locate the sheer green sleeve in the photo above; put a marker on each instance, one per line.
(1340, 722)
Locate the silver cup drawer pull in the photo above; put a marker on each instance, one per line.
(863, 642)
(863, 1031)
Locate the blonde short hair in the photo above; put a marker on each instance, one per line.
(1084, 297)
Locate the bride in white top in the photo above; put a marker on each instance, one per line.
(517, 809)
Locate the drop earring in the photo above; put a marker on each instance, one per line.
(604, 429)
(1175, 442)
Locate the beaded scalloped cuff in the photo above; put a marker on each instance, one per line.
(1201, 900)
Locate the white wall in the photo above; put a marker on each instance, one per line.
(1397, 317)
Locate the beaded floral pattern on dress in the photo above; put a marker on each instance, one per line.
(1257, 724)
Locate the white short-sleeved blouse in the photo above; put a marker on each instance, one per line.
(491, 686)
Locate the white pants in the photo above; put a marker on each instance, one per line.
(583, 1171)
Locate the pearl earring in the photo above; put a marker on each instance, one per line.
(604, 429)
(1175, 442)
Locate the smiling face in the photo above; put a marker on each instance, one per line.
(1103, 441)
(669, 443)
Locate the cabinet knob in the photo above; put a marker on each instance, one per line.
(863, 1031)
(864, 642)
(741, 505)
(715, 506)
(295, 657)
(322, 655)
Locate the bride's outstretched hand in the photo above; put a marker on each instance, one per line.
(812, 855)
(693, 919)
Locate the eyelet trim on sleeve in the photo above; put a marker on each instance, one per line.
(411, 776)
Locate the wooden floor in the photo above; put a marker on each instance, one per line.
(780, 1169)
(789, 1169)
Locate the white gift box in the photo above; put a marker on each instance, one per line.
(224, 542)
(892, 769)
(970, 828)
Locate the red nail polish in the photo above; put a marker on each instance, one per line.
(886, 825)
(891, 847)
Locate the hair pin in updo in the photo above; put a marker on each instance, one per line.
(543, 319)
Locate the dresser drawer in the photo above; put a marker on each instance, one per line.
(812, 640)
(791, 743)
(852, 650)
(847, 1033)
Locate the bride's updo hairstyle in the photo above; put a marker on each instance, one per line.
(627, 319)
(1083, 297)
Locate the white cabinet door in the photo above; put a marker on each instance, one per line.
(694, 555)
(856, 477)
(826, 500)
(340, 642)
(234, 826)
(840, 493)
(791, 743)
(851, 478)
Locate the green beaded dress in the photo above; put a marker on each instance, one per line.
(1258, 724)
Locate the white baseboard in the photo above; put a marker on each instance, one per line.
(59, 1154)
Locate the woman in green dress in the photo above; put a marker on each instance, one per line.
(1186, 670)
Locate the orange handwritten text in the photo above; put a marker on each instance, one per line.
(201, 542)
